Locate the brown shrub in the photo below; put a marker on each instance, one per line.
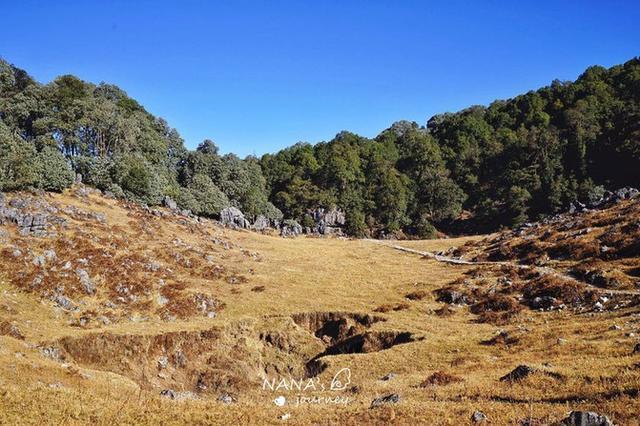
(389, 307)
(445, 311)
(496, 303)
(417, 295)
(497, 318)
(9, 329)
(582, 248)
(567, 291)
(440, 378)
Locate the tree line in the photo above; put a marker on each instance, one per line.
(474, 170)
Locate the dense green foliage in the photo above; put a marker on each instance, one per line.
(48, 133)
(517, 159)
(514, 160)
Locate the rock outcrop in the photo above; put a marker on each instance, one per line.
(327, 221)
(32, 216)
(290, 228)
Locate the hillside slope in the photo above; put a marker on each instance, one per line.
(113, 313)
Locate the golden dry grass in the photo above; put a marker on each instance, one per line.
(255, 334)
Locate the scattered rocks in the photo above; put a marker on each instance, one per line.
(586, 418)
(544, 303)
(388, 377)
(392, 398)
(33, 216)
(607, 199)
(636, 349)
(451, 297)
(52, 352)
(478, 417)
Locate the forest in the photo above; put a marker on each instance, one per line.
(475, 170)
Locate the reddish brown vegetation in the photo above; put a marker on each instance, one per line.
(440, 378)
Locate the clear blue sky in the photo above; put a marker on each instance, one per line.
(258, 76)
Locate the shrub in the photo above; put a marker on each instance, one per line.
(54, 173)
(137, 178)
(17, 163)
(211, 200)
(186, 200)
(355, 224)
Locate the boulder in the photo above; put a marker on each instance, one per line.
(233, 217)
(452, 297)
(169, 203)
(388, 377)
(327, 222)
(64, 302)
(543, 302)
(225, 398)
(261, 223)
(290, 228)
(478, 417)
(518, 373)
(88, 285)
(392, 398)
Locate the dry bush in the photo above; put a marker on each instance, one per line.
(582, 248)
(440, 378)
(445, 311)
(566, 291)
(390, 307)
(417, 295)
(9, 329)
(496, 303)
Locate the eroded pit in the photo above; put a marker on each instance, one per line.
(371, 341)
(332, 327)
(346, 333)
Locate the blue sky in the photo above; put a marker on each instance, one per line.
(258, 76)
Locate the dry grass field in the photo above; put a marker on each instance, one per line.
(120, 304)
